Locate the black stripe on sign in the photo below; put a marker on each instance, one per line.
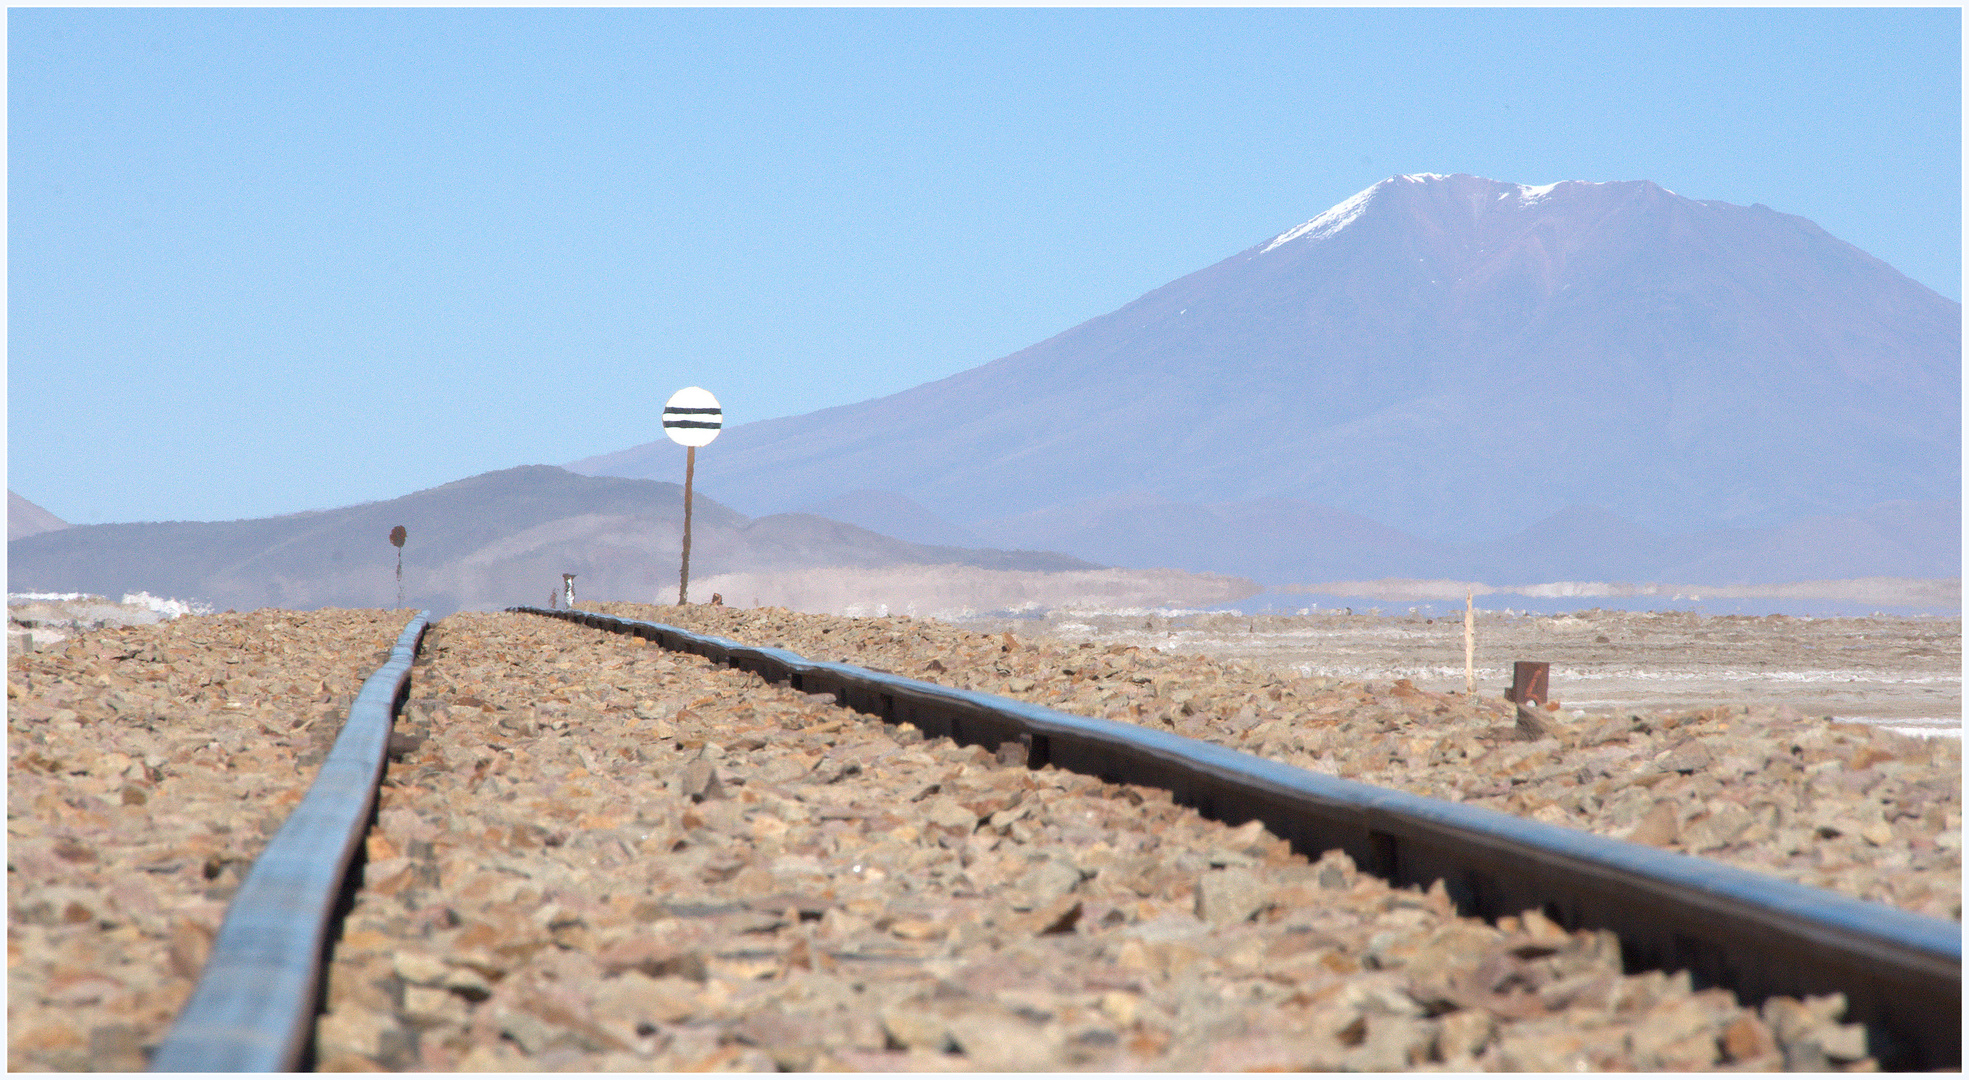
(668, 409)
(713, 424)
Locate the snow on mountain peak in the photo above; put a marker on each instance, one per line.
(1345, 213)
(1330, 222)
(1532, 196)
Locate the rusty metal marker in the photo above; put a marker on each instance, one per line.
(1530, 682)
(397, 537)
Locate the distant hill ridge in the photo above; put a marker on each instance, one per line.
(1453, 358)
(26, 519)
(491, 540)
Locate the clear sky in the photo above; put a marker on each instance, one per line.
(263, 261)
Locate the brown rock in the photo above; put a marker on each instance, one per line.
(1809, 1032)
(1747, 1039)
(1658, 827)
(1529, 1048)
(356, 1032)
(1534, 724)
(1690, 757)
(116, 1048)
(1231, 895)
(945, 813)
(1047, 881)
(190, 944)
(634, 998)
(999, 1042)
(1392, 1044)
(1060, 917)
(1464, 1034)
(420, 969)
(913, 1026)
(1277, 1052)
(699, 782)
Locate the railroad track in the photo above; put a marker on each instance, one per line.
(253, 1010)
(1754, 935)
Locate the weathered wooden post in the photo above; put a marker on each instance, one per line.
(1470, 645)
(692, 418)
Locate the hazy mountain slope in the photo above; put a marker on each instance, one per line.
(26, 519)
(496, 539)
(1452, 357)
(1268, 540)
(1903, 539)
(894, 515)
(1285, 541)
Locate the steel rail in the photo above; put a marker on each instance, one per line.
(1757, 935)
(254, 1007)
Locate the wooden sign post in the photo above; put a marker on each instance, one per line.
(692, 418)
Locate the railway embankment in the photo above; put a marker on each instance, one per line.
(147, 766)
(591, 853)
(1853, 808)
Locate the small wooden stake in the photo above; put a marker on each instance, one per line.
(684, 576)
(1470, 644)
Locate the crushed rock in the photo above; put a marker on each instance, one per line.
(147, 766)
(1848, 807)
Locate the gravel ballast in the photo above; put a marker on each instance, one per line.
(592, 854)
(147, 766)
(1848, 807)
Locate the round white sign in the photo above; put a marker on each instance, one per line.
(692, 417)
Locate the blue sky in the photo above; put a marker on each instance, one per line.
(263, 261)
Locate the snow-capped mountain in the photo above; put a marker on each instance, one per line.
(1452, 356)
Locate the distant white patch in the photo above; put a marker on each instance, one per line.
(170, 609)
(38, 620)
(1325, 225)
(1738, 675)
(1421, 177)
(1133, 612)
(1921, 727)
